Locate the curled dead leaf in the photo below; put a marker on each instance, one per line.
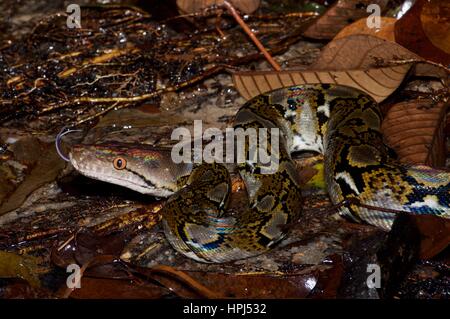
(386, 30)
(44, 165)
(424, 30)
(415, 130)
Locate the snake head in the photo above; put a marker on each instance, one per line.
(143, 168)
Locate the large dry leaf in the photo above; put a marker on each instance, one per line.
(415, 130)
(243, 285)
(191, 6)
(377, 82)
(361, 61)
(424, 30)
(361, 51)
(47, 165)
(434, 234)
(386, 30)
(342, 13)
(364, 51)
(195, 284)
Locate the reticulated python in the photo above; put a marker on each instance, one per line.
(340, 122)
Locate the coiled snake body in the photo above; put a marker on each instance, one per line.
(340, 122)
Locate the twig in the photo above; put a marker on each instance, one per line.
(252, 36)
(188, 280)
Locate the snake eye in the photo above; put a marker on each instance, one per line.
(119, 163)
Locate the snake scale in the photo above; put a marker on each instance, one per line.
(340, 122)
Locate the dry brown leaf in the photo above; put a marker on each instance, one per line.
(47, 165)
(431, 70)
(415, 130)
(361, 51)
(435, 18)
(424, 30)
(377, 82)
(386, 30)
(434, 233)
(191, 6)
(338, 16)
(243, 285)
(329, 280)
(375, 66)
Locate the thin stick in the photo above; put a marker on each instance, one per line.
(186, 279)
(252, 36)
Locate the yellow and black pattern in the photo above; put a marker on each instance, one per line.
(340, 122)
(194, 221)
(343, 124)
